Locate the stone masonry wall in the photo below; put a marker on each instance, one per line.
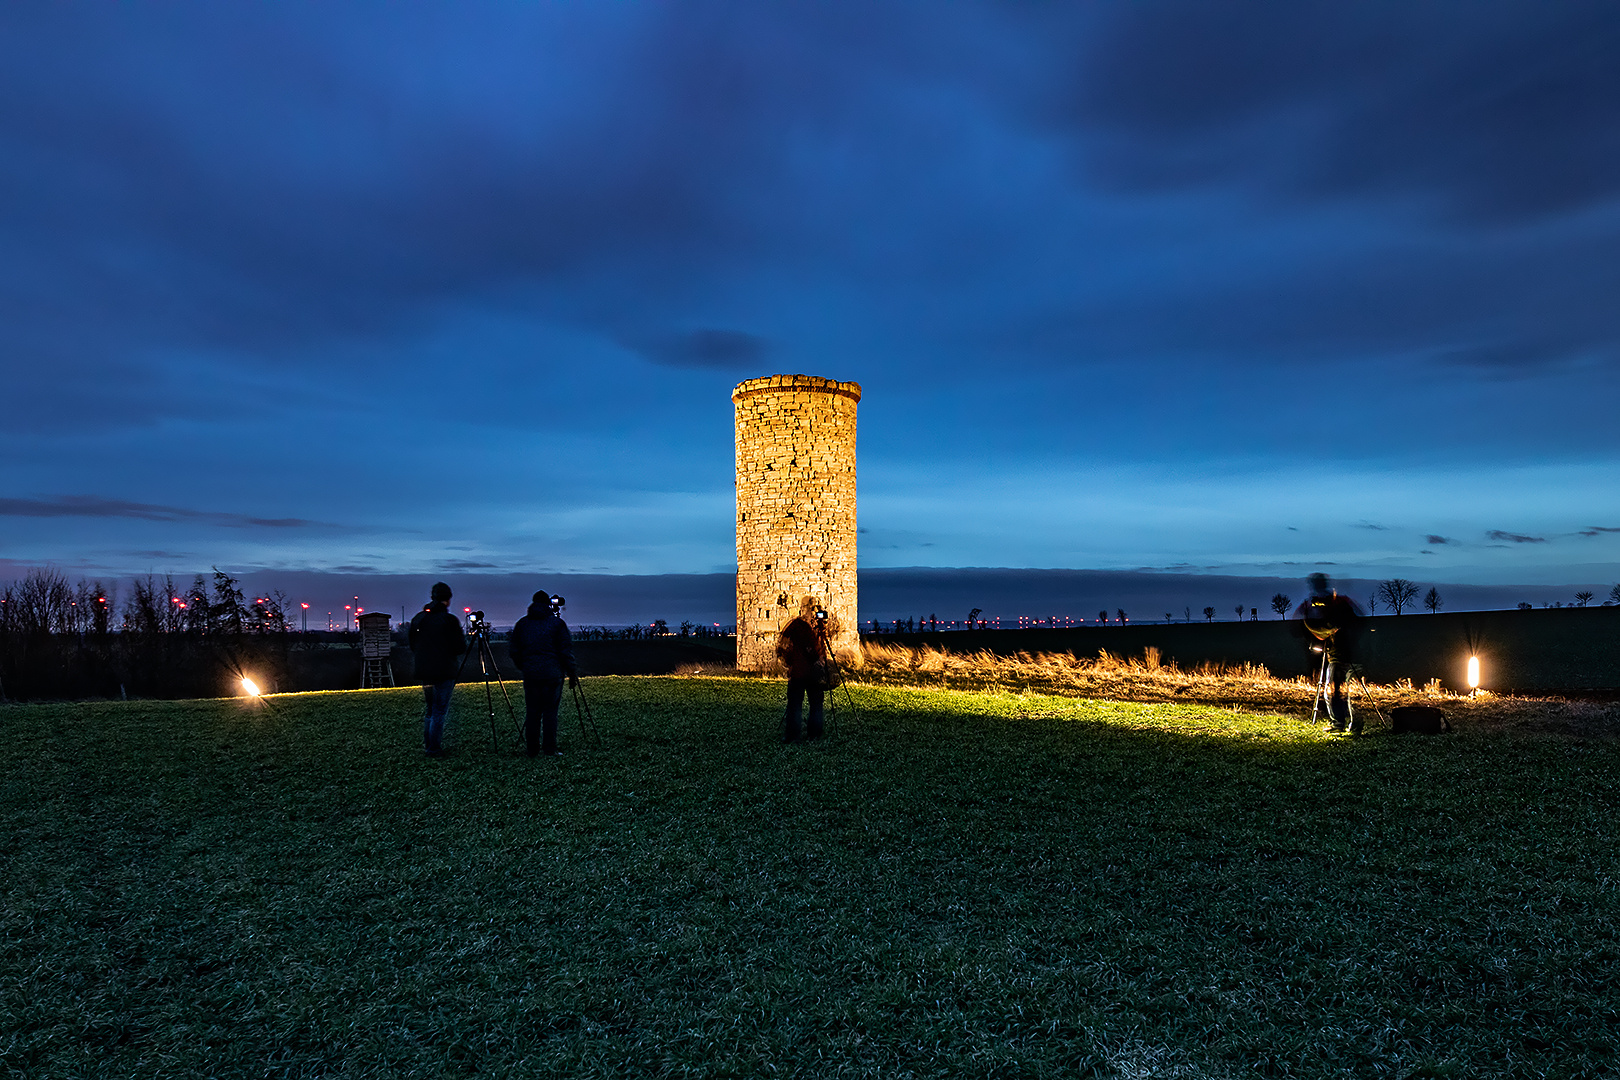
(795, 510)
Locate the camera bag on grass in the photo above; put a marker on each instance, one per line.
(1418, 720)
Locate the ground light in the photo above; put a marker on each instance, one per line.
(1473, 675)
(250, 688)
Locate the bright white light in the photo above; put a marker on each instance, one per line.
(1473, 673)
(250, 688)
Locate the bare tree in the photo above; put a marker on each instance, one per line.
(1102, 616)
(1397, 593)
(973, 617)
(1121, 614)
(1239, 610)
(1614, 595)
(1209, 614)
(1583, 598)
(1279, 604)
(1432, 600)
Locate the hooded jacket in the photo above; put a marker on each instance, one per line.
(541, 646)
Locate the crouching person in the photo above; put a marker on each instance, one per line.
(543, 650)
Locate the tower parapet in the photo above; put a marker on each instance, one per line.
(796, 531)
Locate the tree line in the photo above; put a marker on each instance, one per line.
(60, 639)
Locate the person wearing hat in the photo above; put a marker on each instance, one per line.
(436, 640)
(543, 650)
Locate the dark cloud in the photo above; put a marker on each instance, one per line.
(1437, 540)
(715, 349)
(468, 564)
(1503, 114)
(1370, 525)
(91, 506)
(1514, 538)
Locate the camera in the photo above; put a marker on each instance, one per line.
(557, 604)
(1319, 619)
(821, 614)
(476, 623)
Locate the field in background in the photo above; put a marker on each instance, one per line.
(954, 883)
(1540, 651)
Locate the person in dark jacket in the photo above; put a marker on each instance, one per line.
(1332, 622)
(436, 641)
(802, 652)
(542, 648)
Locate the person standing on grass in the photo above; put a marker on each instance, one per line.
(1334, 621)
(801, 649)
(543, 650)
(436, 641)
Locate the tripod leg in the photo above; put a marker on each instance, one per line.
(511, 713)
(489, 701)
(1321, 684)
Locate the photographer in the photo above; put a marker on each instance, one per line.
(436, 640)
(1333, 622)
(543, 650)
(802, 649)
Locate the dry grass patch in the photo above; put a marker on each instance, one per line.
(1149, 678)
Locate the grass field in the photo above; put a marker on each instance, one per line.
(952, 884)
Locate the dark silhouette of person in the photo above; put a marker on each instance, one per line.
(543, 650)
(802, 649)
(1332, 622)
(436, 640)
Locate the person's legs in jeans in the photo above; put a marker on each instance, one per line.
(814, 725)
(548, 727)
(795, 702)
(437, 706)
(540, 700)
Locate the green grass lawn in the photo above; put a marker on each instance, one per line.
(953, 884)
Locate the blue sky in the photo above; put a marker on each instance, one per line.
(1229, 289)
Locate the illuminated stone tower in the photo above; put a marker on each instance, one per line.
(795, 510)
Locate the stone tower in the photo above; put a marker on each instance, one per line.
(795, 510)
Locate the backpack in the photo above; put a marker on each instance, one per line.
(1418, 720)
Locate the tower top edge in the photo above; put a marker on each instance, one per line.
(768, 384)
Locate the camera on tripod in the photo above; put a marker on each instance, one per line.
(557, 604)
(821, 615)
(476, 623)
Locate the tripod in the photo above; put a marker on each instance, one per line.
(486, 665)
(1324, 702)
(1324, 693)
(835, 679)
(582, 710)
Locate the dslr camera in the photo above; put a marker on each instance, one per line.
(557, 604)
(476, 623)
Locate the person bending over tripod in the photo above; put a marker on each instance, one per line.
(543, 650)
(1333, 620)
(436, 640)
(802, 650)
